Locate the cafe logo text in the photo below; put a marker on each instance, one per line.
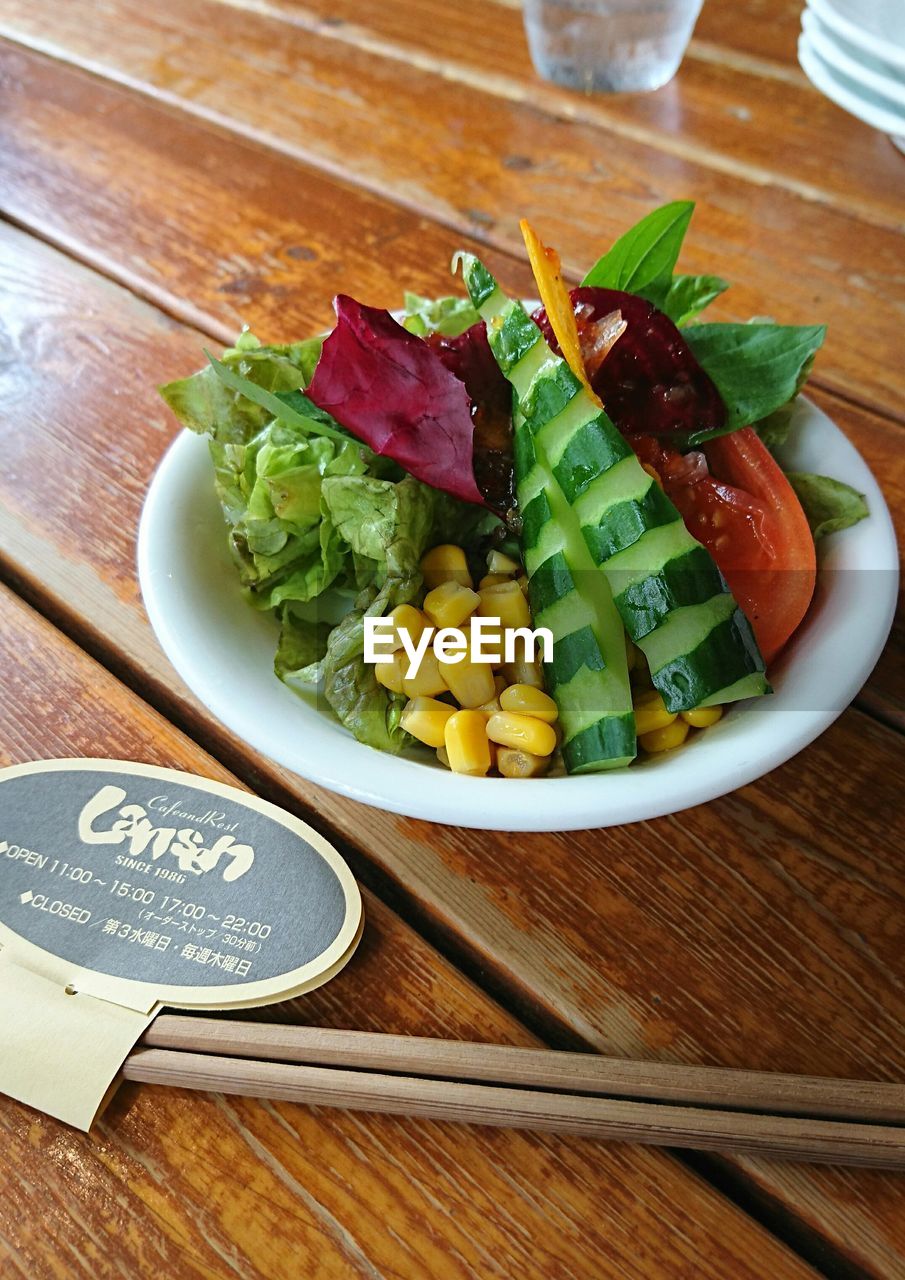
(195, 851)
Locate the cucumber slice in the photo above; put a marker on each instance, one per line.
(588, 674)
(574, 470)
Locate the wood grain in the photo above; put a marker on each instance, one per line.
(763, 930)
(195, 1185)
(767, 29)
(722, 113)
(582, 184)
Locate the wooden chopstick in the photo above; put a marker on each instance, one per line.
(782, 1137)
(720, 1087)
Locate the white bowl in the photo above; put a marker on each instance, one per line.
(864, 71)
(873, 108)
(876, 27)
(224, 651)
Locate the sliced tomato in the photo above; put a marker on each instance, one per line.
(736, 501)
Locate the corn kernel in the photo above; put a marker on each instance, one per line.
(500, 683)
(425, 719)
(671, 735)
(506, 602)
(522, 733)
(499, 562)
(443, 756)
(470, 683)
(430, 679)
(652, 472)
(446, 563)
(524, 671)
(493, 580)
(490, 708)
(702, 717)
(513, 763)
(651, 713)
(466, 743)
(523, 584)
(528, 700)
(390, 674)
(450, 604)
(405, 617)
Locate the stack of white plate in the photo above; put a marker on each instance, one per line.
(854, 52)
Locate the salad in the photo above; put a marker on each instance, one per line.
(594, 476)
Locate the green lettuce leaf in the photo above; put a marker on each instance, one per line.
(208, 405)
(757, 368)
(289, 405)
(299, 660)
(365, 707)
(449, 316)
(689, 295)
(280, 533)
(642, 260)
(828, 504)
(389, 524)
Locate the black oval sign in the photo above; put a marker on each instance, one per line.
(156, 877)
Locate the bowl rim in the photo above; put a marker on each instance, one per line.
(828, 46)
(862, 103)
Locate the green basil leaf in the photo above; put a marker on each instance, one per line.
(756, 367)
(642, 260)
(689, 295)
(828, 504)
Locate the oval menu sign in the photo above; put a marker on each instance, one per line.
(202, 894)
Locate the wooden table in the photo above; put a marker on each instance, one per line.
(170, 171)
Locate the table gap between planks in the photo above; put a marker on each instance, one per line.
(81, 164)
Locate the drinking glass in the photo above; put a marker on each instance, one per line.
(613, 45)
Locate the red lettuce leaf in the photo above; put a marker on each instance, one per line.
(469, 357)
(393, 392)
(650, 381)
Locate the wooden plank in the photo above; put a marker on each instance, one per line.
(759, 931)
(214, 228)
(64, 136)
(214, 1187)
(764, 28)
(721, 111)
(404, 136)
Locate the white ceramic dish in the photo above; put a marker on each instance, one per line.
(872, 108)
(224, 652)
(840, 57)
(877, 27)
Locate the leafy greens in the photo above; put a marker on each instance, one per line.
(642, 260)
(757, 368)
(314, 518)
(828, 504)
